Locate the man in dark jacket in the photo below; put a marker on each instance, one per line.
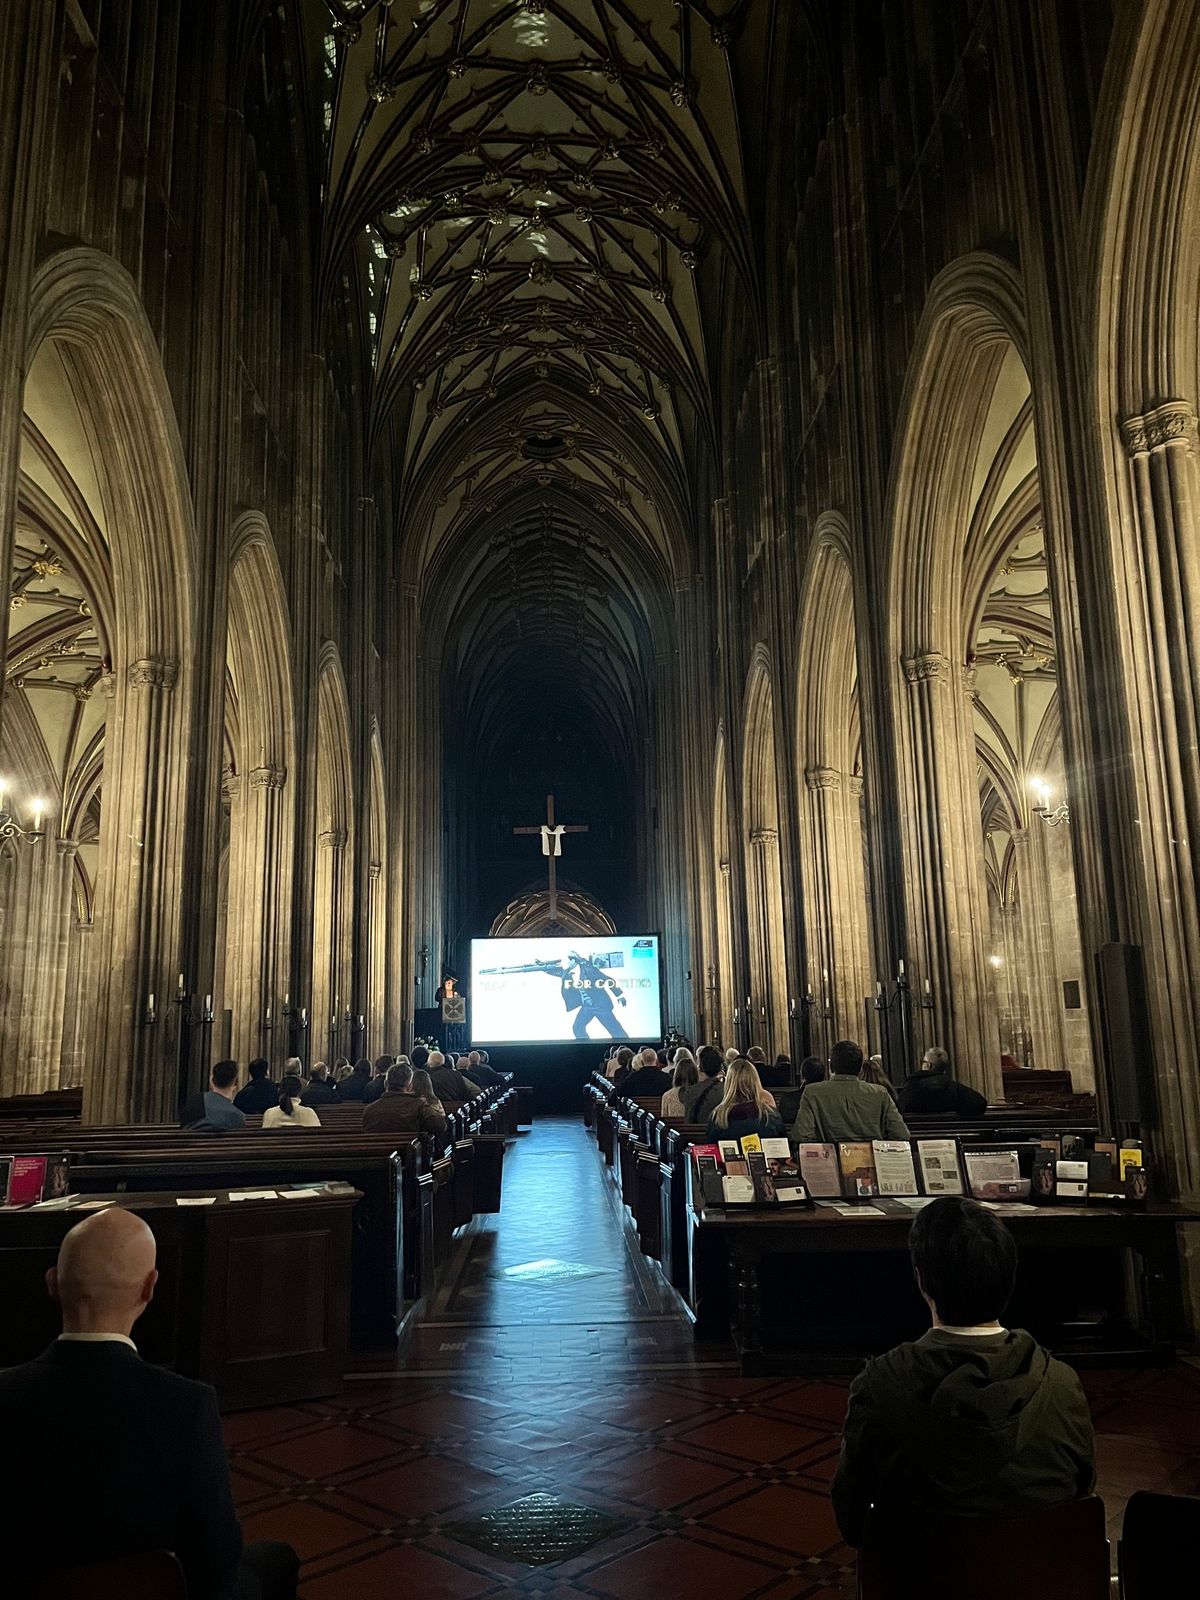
(449, 1084)
(355, 1086)
(377, 1087)
(319, 1090)
(702, 1098)
(479, 1071)
(647, 1078)
(146, 1442)
(932, 1091)
(260, 1094)
(973, 1419)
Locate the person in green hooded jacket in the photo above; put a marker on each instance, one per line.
(973, 1419)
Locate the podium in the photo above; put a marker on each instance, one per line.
(454, 1022)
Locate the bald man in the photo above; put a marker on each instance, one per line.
(117, 1456)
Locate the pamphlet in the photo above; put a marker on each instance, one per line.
(819, 1169)
(199, 1199)
(859, 1211)
(764, 1184)
(699, 1151)
(1131, 1156)
(858, 1170)
(780, 1149)
(730, 1150)
(894, 1168)
(26, 1180)
(300, 1194)
(785, 1172)
(751, 1144)
(54, 1184)
(5, 1170)
(252, 1194)
(939, 1166)
(917, 1204)
(995, 1175)
(737, 1185)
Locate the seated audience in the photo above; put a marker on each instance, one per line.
(686, 1073)
(341, 1070)
(378, 1084)
(647, 1078)
(479, 1071)
(973, 1419)
(449, 1085)
(873, 1071)
(933, 1091)
(778, 1075)
(354, 1087)
(419, 1058)
(291, 1112)
(812, 1070)
(620, 1065)
(214, 1110)
(260, 1093)
(744, 1107)
(703, 1097)
(145, 1444)
(407, 1106)
(844, 1107)
(732, 1054)
(319, 1090)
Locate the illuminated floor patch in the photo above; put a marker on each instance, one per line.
(549, 1270)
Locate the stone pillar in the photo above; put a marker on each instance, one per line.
(945, 897)
(330, 978)
(1162, 573)
(1044, 1013)
(37, 930)
(768, 1023)
(1015, 984)
(79, 1047)
(376, 985)
(138, 896)
(257, 918)
(833, 896)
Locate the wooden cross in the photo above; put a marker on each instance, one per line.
(552, 833)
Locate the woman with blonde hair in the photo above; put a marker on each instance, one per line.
(872, 1071)
(745, 1107)
(686, 1072)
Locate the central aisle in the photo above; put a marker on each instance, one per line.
(552, 1431)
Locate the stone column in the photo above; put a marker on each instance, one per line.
(79, 1047)
(833, 893)
(1162, 571)
(37, 926)
(258, 920)
(138, 895)
(329, 980)
(376, 985)
(945, 897)
(768, 974)
(1044, 1014)
(1015, 985)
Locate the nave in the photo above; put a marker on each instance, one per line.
(553, 1364)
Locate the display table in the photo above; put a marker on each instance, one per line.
(814, 1291)
(253, 1296)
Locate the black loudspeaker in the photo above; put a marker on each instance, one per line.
(1126, 1021)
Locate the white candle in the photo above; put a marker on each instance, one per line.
(927, 988)
(878, 990)
(37, 816)
(208, 1005)
(304, 1014)
(179, 986)
(268, 1013)
(900, 972)
(3, 792)
(150, 1007)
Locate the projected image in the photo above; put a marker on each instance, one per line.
(533, 991)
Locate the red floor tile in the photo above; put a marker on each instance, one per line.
(750, 1437)
(680, 1569)
(402, 1571)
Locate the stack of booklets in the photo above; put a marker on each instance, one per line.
(881, 1168)
(30, 1180)
(749, 1172)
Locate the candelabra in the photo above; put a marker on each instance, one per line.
(1052, 818)
(901, 1000)
(10, 828)
(184, 1001)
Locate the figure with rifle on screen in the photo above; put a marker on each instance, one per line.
(587, 991)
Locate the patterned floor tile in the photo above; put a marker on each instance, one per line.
(591, 1390)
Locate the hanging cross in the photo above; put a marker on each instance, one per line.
(552, 837)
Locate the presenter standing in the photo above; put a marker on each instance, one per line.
(453, 1003)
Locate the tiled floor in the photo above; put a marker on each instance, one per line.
(576, 1378)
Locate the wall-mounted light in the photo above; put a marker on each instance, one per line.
(10, 828)
(1044, 793)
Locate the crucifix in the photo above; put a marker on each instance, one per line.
(552, 837)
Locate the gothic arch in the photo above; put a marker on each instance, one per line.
(332, 1002)
(768, 971)
(261, 792)
(1143, 201)
(86, 305)
(973, 317)
(829, 787)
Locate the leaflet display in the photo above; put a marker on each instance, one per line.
(542, 991)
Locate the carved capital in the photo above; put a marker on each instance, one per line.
(333, 839)
(822, 778)
(969, 681)
(855, 785)
(268, 777)
(154, 672)
(375, 871)
(67, 847)
(762, 837)
(105, 686)
(724, 868)
(1173, 422)
(1019, 837)
(925, 668)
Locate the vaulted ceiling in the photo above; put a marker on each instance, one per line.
(526, 193)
